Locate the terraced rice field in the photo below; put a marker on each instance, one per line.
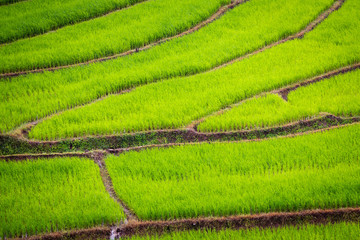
(164, 119)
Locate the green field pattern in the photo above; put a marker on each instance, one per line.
(177, 102)
(34, 17)
(171, 85)
(114, 33)
(334, 231)
(52, 195)
(35, 96)
(319, 170)
(339, 95)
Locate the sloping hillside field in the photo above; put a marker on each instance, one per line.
(193, 119)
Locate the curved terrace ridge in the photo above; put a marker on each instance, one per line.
(264, 221)
(13, 145)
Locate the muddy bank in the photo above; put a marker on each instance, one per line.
(10, 145)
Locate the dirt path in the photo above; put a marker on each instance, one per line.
(283, 128)
(98, 157)
(23, 157)
(200, 25)
(192, 137)
(284, 92)
(265, 220)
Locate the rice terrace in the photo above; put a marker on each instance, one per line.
(168, 119)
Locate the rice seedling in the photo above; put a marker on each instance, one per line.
(104, 36)
(319, 170)
(31, 97)
(339, 95)
(51, 195)
(30, 18)
(342, 230)
(177, 102)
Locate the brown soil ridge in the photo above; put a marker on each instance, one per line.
(24, 157)
(83, 234)
(263, 220)
(191, 134)
(205, 139)
(200, 25)
(191, 138)
(283, 92)
(118, 9)
(98, 157)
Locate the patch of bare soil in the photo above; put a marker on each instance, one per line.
(172, 138)
(98, 157)
(265, 220)
(283, 92)
(243, 221)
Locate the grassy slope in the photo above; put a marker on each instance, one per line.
(334, 231)
(313, 171)
(104, 36)
(339, 95)
(35, 96)
(52, 195)
(177, 102)
(34, 17)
